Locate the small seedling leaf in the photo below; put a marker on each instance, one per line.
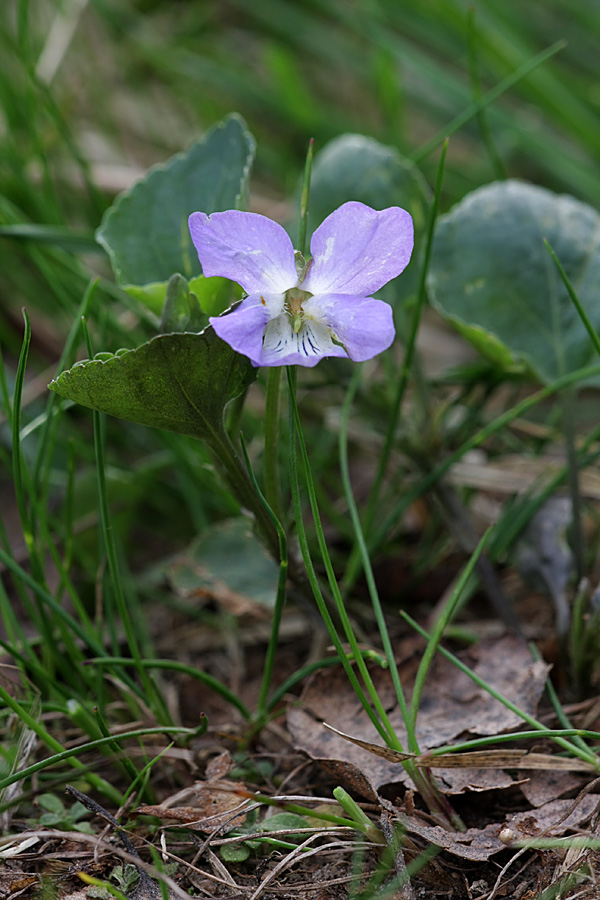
(52, 804)
(235, 852)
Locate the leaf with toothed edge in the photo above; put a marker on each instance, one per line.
(181, 382)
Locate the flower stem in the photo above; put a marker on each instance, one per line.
(262, 709)
(242, 488)
(272, 404)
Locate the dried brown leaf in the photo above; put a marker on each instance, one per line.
(452, 706)
(212, 805)
(541, 787)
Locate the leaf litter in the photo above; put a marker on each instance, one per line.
(330, 726)
(219, 810)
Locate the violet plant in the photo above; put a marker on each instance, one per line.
(297, 310)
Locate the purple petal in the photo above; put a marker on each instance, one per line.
(284, 347)
(357, 250)
(245, 247)
(364, 326)
(243, 329)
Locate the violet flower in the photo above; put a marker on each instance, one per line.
(297, 313)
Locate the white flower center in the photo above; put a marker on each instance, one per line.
(294, 298)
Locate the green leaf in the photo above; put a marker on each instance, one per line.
(146, 232)
(234, 852)
(494, 279)
(215, 294)
(52, 804)
(82, 827)
(229, 563)
(285, 821)
(181, 311)
(180, 382)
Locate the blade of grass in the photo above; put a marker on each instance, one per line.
(32, 723)
(385, 733)
(73, 752)
(174, 666)
(440, 626)
(486, 100)
(151, 691)
(484, 127)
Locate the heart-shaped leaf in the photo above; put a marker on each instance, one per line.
(145, 232)
(494, 279)
(180, 382)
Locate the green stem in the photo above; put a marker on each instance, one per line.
(242, 488)
(262, 710)
(272, 404)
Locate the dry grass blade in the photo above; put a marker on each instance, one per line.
(478, 759)
(503, 759)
